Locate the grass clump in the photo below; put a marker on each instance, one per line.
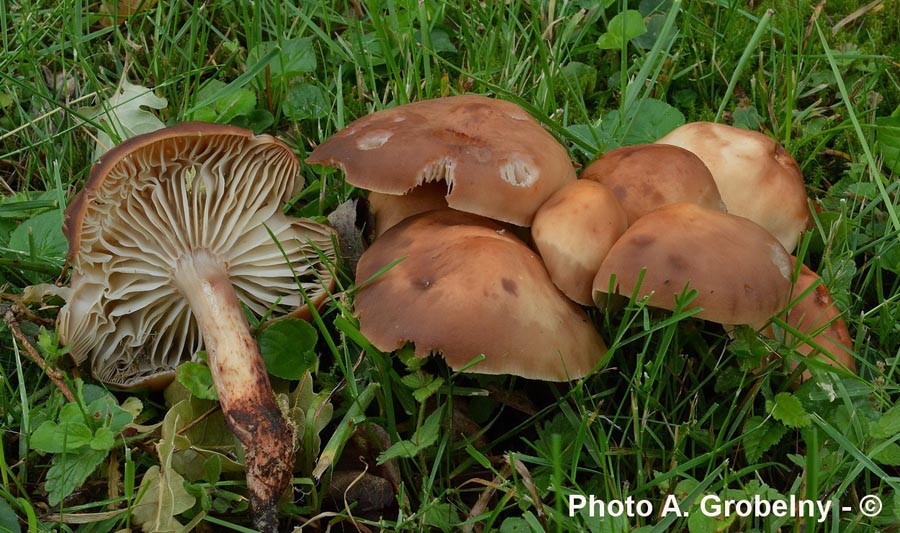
(679, 412)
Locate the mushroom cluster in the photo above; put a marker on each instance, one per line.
(691, 214)
(173, 234)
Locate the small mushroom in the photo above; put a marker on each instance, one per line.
(648, 176)
(757, 178)
(465, 286)
(495, 159)
(814, 314)
(388, 210)
(742, 275)
(573, 231)
(173, 231)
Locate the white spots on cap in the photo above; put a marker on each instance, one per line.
(398, 118)
(517, 115)
(519, 171)
(441, 170)
(373, 139)
(780, 259)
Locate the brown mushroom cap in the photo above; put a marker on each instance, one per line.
(648, 176)
(757, 178)
(573, 231)
(496, 159)
(815, 315)
(156, 197)
(742, 275)
(467, 287)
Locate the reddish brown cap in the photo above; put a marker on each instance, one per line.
(645, 177)
(464, 287)
(158, 198)
(814, 314)
(573, 231)
(757, 178)
(496, 159)
(742, 275)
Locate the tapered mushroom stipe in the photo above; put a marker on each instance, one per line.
(240, 376)
(171, 235)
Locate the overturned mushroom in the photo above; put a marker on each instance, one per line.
(497, 161)
(649, 176)
(757, 177)
(388, 210)
(742, 275)
(463, 287)
(173, 231)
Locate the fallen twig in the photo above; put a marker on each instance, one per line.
(55, 375)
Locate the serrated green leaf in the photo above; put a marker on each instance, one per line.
(787, 409)
(888, 137)
(643, 123)
(288, 348)
(428, 389)
(423, 438)
(889, 455)
(580, 76)
(71, 412)
(69, 471)
(514, 524)
(760, 434)
(441, 43)
(9, 521)
(699, 522)
(224, 109)
(622, 28)
(197, 378)
(297, 56)
(41, 237)
(888, 424)
(104, 439)
(51, 437)
(305, 101)
(213, 468)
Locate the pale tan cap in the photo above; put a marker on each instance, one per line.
(757, 177)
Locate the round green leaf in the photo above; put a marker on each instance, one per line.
(41, 236)
(197, 378)
(288, 348)
(305, 101)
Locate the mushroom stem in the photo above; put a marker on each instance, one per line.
(241, 380)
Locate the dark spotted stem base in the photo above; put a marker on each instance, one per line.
(241, 380)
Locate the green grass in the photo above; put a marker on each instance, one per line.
(677, 409)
